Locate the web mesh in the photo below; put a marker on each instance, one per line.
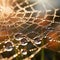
(32, 23)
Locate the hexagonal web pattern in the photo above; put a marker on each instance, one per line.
(32, 23)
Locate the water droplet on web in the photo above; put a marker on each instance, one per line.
(18, 36)
(24, 51)
(24, 42)
(8, 46)
(37, 41)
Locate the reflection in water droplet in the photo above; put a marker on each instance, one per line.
(24, 42)
(8, 46)
(18, 36)
(37, 41)
(24, 52)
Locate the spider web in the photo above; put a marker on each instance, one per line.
(31, 21)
